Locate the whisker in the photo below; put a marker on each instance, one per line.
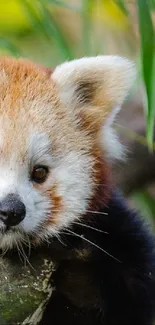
(27, 242)
(91, 211)
(90, 227)
(59, 239)
(19, 252)
(93, 244)
(26, 258)
(23, 254)
(96, 212)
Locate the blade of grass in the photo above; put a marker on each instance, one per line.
(147, 37)
(64, 5)
(10, 47)
(121, 4)
(86, 27)
(133, 136)
(59, 37)
(152, 4)
(39, 16)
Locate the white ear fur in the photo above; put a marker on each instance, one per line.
(111, 76)
(97, 85)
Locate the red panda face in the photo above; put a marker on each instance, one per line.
(53, 129)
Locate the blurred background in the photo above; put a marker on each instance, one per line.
(51, 31)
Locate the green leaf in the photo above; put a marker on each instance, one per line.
(121, 4)
(39, 16)
(10, 47)
(64, 5)
(152, 4)
(147, 37)
(86, 31)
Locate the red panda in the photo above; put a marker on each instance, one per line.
(56, 142)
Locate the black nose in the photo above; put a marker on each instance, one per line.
(12, 210)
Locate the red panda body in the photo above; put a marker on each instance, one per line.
(56, 142)
(105, 273)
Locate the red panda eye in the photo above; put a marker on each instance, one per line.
(39, 174)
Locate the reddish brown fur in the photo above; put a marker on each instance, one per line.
(57, 204)
(103, 187)
(26, 82)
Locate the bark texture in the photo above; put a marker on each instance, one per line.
(25, 289)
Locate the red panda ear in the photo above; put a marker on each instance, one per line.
(97, 85)
(94, 88)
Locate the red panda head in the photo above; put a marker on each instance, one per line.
(54, 129)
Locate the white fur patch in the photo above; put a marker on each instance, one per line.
(15, 178)
(72, 174)
(39, 151)
(110, 145)
(75, 186)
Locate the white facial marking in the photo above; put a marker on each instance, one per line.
(75, 186)
(71, 173)
(15, 179)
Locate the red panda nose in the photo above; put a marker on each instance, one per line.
(12, 210)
